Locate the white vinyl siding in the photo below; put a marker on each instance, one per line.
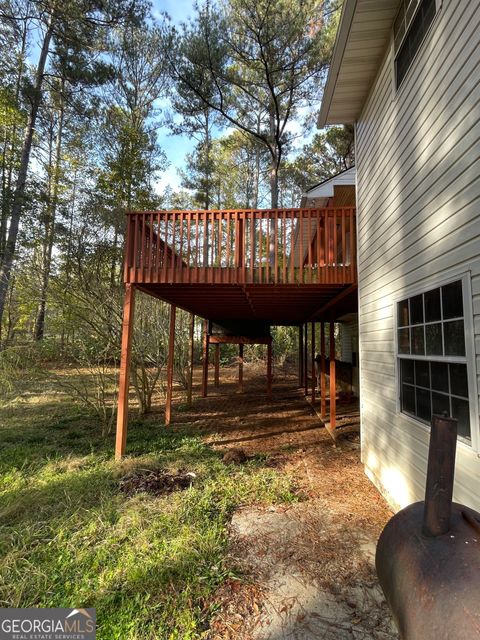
(326, 188)
(418, 207)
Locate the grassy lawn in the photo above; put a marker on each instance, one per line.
(70, 538)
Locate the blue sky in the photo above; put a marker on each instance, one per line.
(176, 147)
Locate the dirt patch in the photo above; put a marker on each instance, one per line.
(307, 569)
(156, 482)
(315, 559)
(313, 573)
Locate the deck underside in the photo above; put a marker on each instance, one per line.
(275, 304)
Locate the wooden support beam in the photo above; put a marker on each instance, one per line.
(314, 371)
(300, 356)
(269, 370)
(171, 355)
(190, 372)
(240, 368)
(305, 361)
(126, 347)
(330, 305)
(333, 390)
(217, 365)
(215, 339)
(206, 344)
(323, 382)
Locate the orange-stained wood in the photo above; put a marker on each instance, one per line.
(237, 340)
(353, 268)
(333, 390)
(190, 372)
(171, 352)
(300, 355)
(275, 248)
(323, 385)
(318, 249)
(269, 246)
(122, 414)
(301, 261)
(310, 258)
(335, 247)
(292, 252)
(305, 361)
(314, 371)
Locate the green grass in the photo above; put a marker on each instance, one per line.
(70, 538)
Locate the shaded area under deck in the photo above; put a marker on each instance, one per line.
(275, 304)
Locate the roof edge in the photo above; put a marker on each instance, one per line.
(343, 32)
(322, 182)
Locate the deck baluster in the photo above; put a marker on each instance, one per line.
(277, 247)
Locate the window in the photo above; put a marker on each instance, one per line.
(433, 370)
(410, 27)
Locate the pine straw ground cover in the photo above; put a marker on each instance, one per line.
(70, 537)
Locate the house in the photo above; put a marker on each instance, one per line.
(337, 191)
(405, 73)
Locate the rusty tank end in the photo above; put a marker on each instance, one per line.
(428, 556)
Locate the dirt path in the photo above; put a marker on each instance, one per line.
(309, 567)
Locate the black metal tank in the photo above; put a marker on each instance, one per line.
(428, 555)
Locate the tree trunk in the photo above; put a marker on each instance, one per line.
(274, 205)
(208, 187)
(113, 266)
(9, 163)
(11, 244)
(68, 257)
(275, 161)
(50, 225)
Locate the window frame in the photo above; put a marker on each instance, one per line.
(470, 357)
(398, 87)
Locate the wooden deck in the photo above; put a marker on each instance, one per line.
(275, 265)
(254, 267)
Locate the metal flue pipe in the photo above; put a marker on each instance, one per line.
(440, 476)
(428, 556)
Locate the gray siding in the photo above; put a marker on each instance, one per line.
(418, 198)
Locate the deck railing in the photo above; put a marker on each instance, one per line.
(274, 246)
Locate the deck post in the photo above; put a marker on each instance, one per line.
(269, 370)
(217, 365)
(323, 385)
(206, 344)
(190, 372)
(126, 348)
(300, 355)
(333, 386)
(171, 352)
(240, 368)
(314, 372)
(305, 361)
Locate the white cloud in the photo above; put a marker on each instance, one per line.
(169, 178)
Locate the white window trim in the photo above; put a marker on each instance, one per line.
(429, 284)
(396, 91)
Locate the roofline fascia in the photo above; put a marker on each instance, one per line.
(340, 173)
(343, 32)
